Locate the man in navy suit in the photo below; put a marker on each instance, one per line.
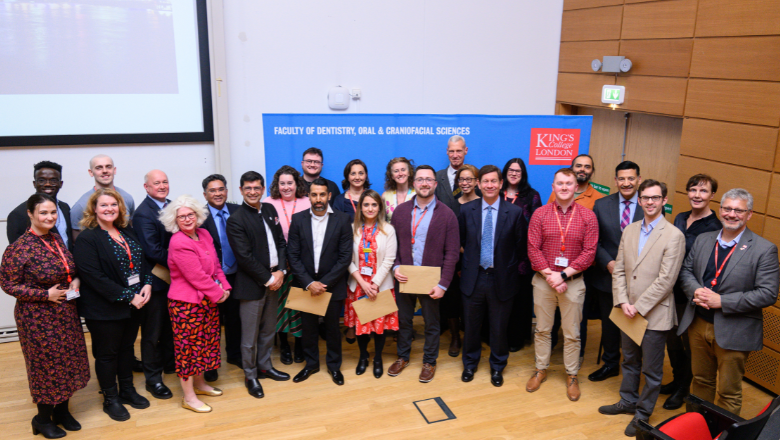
(492, 234)
(156, 332)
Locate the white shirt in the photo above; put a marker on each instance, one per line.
(273, 254)
(319, 224)
(451, 175)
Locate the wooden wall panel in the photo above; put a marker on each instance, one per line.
(728, 176)
(666, 19)
(654, 94)
(773, 207)
(592, 24)
(737, 17)
(652, 141)
(772, 230)
(606, 142)
(737, 101)
(777, 155)
(658, 57)
(739, 144)
(756, 58)
(576, 56)
(568, 5)
(580, 88)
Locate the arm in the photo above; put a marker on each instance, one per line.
(603, 258)
(344, 256)
(383, 269)
(394, 222)
(619, 285)
(764, 291)
(535, 240)
(15, 226)
(88, 253)
(187, 260)
(242, 249)
(521, 239)
(589, 244)
(662, 285)
(294, 255)
(451, 252)
(688, 281)
(150, 239)
(12, 269)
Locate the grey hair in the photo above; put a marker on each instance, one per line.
(738, 194)
(456, 138)
(168, 215)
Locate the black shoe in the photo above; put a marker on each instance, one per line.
(378, 368)
(138, 366)
(361, 366)
(112, 407)
(670, 387)
(129, 396)
(631, 428)
(337, 377)
(305, 373)
(159, 391)
(65, 418)
(496, 378)
(618, 408)
(603, 373)
(468, 374)
(677, 398)
(211, 375)
(254, 388)
(349, 340)
(285, 354)
(515, 348)
(298, 351)
(49, 430)
(273, 374)
(235, 361)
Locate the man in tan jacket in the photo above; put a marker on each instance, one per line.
(649, 259)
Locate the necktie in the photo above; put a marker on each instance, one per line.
(625, 218)
(486, 252)
(228, 259)
(165, 205)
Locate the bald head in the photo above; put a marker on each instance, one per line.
(156, 185)
(101, 168)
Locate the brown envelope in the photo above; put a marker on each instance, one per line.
(368, 310)
(421, 279)
(634, 327)
(162, 273)
(302, 300)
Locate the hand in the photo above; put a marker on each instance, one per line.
(57, 295)
(317, 288)
(611, 266)
(546, 272)
(75, 284)
(138, 301)
(146, 292)
(278, 280)
(225, 295)
(628, 310)
(706, 298)
(554, 279)
(562, 288)
(401, 278)
(436, 292)
(372, 291)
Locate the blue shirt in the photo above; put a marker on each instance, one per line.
(731, 243)
(631, 207)
(222, 233)
(157, 202)
(418, 247)
(494, 207)
(61, 225)
(644, 232)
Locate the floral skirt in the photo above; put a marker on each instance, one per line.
(196, 336)
(378, 326)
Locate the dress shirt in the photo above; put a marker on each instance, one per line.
(222, 233)
(494, 207)
(62, 224)
(731, 243)
(319, 224)
(451, 176)
(160, 204)
(631, 207)
(273, 254)
(645, 231)
(544, 237)
(422, 229)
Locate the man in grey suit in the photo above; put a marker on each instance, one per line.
(447, 191)
(613, 213)
(728, 277)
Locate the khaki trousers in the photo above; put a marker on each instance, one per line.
(715, 369)
(546, 299)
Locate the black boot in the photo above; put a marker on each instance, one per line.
(62, 416)
(43, 424)
(111, 405)
(298, 350)
(129, 396)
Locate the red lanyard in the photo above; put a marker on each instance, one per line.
(513, 198)
(285, 212)
(61, 254)
(125, 245)
(720, 269)
(366, 243)
(349, 196)
(414, 226)
(564, 233)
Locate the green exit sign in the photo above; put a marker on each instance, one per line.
(613, 94)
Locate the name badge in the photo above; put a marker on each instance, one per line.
(562, 262)
(365, 270)
(72, 294)
(133, 279)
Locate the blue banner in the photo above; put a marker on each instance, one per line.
(545, 143)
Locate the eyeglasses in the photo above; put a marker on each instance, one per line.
(190, 216)
(216, 190)
(514, 172)
(466, 179)
(424, 180)
(312, 162)
(734, 210)
(653, 198)
(42, 181)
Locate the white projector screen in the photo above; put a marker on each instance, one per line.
(104, 71)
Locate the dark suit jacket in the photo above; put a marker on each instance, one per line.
(153, 237)
(606, 210)
(748, 284)
(102, 279)
(444, 190)
(334, 259)
(19, 221)
(509, 241)
(332, 188)
(210, 225)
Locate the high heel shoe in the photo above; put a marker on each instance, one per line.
(361, 366)
(49, 430)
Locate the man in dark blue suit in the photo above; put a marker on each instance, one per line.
(156, 332)
(493, 237)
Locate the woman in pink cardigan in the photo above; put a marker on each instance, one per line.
(197, 286)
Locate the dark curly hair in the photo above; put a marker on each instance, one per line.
(300, 186)
(390, 183)
(348, 168)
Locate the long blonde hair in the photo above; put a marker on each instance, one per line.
(380, 216)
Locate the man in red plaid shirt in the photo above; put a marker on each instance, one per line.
(562, 238)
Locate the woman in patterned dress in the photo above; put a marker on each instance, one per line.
(398, 184)
(288, 195)
(374, 248)
(197, 286)
(38, 270)
(116, 282)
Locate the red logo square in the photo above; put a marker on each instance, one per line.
(554, 146)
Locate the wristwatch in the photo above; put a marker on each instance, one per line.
(564, 277)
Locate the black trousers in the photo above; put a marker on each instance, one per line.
(484, 299)
(431, 316)
(156, 336)
(679, 349)
(230, 318)
(450, 305)
(610, 333)
(112, 348)
(310, 338)
(520, 329)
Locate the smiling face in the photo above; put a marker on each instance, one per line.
(253, 192)
(287, 187)
(652, 201)
(400, 173)
(102, 169)
(357, 176)
(457, 151)
(156, 185)
(106, 210)
(583, 168)
(186, 220)
(734, 214)
(424, 183)
(312, 165)
(369, 208)
(467, 182)
(47, 180)
(628, 183)
(514, 174)
(490, 185)
(216, 194)
(700, 195)
(44, 218)
(564, 186)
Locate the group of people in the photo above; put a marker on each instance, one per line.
(180, 271)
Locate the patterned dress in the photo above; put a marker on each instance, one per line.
(195, 336)
(379, 325)
(391, 201)
(50, 334)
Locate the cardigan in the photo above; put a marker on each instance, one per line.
(386, 246)
(194, 268)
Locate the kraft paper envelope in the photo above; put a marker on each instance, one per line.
(162, 273)
(302, 300)
(634, 327)
(368, 310)
(421, 279)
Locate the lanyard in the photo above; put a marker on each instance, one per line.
(414, 226)
(61, 254)
(720, 269)
(125, 245)
(564, 233)
(513, 198)
(285, 212)
(367, 243)
(349, 196)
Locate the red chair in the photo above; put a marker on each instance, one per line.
(705, 421)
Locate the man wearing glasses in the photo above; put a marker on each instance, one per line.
(312, 168)
(729, 276)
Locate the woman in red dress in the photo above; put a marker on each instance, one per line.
(374, 248)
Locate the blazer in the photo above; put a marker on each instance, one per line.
(334, 259)
(386, 247)
(509, 240)
(194, 268)
(153, 237)
(444, 190)
(748, 284)
(442, 244)
(249, 241)
(646, 280)
(102, 279)
(18, 222)
(210, 225)
(607, 214)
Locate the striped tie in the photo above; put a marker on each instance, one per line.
(625, 219)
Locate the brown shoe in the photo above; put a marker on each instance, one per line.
(536, 380)
(573, 388)
(397, 367)
(426, 375)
